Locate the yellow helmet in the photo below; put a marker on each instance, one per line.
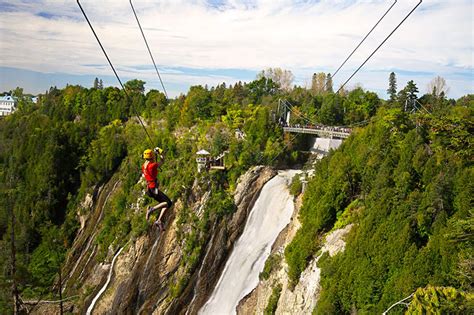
(148, 154)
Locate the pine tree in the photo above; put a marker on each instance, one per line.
(101, 85)
(407, 96)
(96, 83)
(412, 90)
(392, 87)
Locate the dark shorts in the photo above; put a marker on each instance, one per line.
(159, 196)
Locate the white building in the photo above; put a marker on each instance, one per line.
(7, 105)
(202, 160)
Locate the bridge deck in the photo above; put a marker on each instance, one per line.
(319, 132)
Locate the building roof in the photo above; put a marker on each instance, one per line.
(203, 152)
(7, 98)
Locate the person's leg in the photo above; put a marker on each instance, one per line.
(154, 193)
(165, 204)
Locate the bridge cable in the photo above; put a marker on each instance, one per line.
(149, 51)
(427, 111)
(350, 55)
(287, 104)
(309, 121)
(383, 42)
(115, 72)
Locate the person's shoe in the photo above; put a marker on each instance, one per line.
(149, 210)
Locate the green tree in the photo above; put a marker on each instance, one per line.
(411, 222)
(135, 86)
(197, 105)
(359, 106)
(412, 90)
(155, 102)
(407, 96)
(261, 87)
(331, 112)
(392, 87)
(441, 300)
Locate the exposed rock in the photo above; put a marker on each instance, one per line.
(302, 299)
(123, 266)
(146, 282)
(256, 301)
(86, 205)
(224, 235)
(88, 201)
(146, 268)
(81, 256)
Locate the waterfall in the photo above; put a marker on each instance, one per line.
(102, 290)
(271, 213)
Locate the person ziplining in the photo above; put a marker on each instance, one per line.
(150, 173)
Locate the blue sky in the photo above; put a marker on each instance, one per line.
(47, 42)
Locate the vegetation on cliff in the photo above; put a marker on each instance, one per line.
(405, 180)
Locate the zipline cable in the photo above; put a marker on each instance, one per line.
(287, 106)
(386, 38)
(115, 72)
(148, 47)
(376, 24)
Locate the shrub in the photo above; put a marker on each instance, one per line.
(273, 301)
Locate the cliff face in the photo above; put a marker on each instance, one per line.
(303, 297)
(144, 270)
(226, 233)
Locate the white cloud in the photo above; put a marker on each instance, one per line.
(302, 36)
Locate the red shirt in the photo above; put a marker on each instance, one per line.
(150, 171)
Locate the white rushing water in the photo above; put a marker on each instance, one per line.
(271, 213)
(102, 290)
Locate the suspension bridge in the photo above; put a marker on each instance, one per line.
(308, 127)
(320, 131)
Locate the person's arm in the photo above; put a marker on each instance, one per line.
(159, 156)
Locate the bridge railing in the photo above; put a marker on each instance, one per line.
(325, 131)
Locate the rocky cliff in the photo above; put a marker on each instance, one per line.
(144, 271)
(302, 298)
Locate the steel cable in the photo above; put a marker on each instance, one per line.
(149, 51)
(113, 68)
(383, 42)
(350, 55)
